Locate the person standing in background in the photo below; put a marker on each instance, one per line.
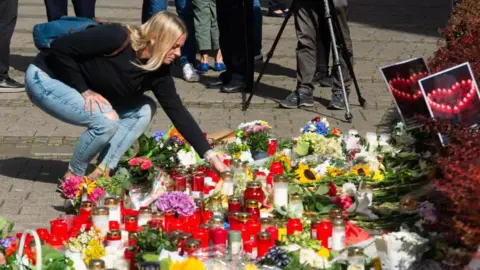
(206, 33)
(59, 8)
(185, 12)
(277, 8)
(257, 31)
(8, 20)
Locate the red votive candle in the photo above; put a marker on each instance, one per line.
(202, 234)
(113, 225)
(59, 228)
(43, 234)
(264, 243)
(55, 242)
(198, 182)
(131, 223)
(180, 183)
(206, 216)
(253, 228)
(294, 225)
(324, 233)
(273, 234)
(276, 167)
(251, 248)
(219, 236)
(234, 204)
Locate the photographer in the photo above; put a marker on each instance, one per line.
(312, 27)
(97, 79)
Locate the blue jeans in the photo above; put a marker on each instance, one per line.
(257, 27)
(109, 133)
(185, 12)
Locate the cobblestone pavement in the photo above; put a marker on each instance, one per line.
(34, 148)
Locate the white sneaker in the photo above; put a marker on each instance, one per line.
(190, 74)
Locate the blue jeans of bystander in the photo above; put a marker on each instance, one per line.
(109, 133)
(257, 28)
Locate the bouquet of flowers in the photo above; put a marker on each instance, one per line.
(141, 169)
(88, 244)
(78, 188)
(255, 134)
(172, 149)
(318, 138)
(176, 202)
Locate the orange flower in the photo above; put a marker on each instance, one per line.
(175, 132)
(12, 249)
(335, 131)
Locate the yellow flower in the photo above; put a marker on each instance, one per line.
(249, 173)
(285, 161)
(323, 252)
(361, 170)
(378, 176)
(91, 185)
(333, 172)
(251, 266)
(176, 266)
(94, 250)
(237, 155)
(306, 175)
(189, 264)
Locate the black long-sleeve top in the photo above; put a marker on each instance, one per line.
(79, 60)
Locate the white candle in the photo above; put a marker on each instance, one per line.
(280, 191)
(100, 220)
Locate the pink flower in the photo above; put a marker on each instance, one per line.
(146, 164)
(71, 186)
(135, 161)
(96, 193)
(343, 201)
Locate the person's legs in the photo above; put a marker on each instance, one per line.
(56, 9)
(306, 22)
(202, 22)
(276, 8)
(185, 12)
(8, 20)
(338, 101)
(67, 104)
(322, 76)
(257, 28)
(133, 123)
(152, 7)
(84, 8)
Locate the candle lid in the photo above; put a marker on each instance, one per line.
(336, 216)
(243, 217)
(86, 204)
(245, 164)
(198, 202)
(278, 178)
(132, 235)
(145, 210)
(234, 200)
(205, 226)
(217, 199)
(254, 184)
(114, 234)
(157, 215)
(263, 236)
(355, 251)
(192, 243)
(226, 174)
(185, 236)
(251, 204)
(295, 197)
(130, 218)
(217, 219)
(334, 211)
(100, 211)
(337, 223)
(96, 264)
(234, 236)
(315, 222)
(174, 234)
(110, 201)
(266, 220)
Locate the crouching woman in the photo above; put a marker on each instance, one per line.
(97, 78)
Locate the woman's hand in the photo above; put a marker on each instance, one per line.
(217, 165)
(92, 98)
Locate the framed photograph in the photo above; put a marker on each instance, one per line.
(402, 83)
(453, 95)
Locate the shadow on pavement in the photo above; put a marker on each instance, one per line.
(21, 62)
(276, 70)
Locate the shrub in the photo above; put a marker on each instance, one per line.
(458, 184)
(461, 39)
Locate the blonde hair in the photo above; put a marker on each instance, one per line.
(165, 28)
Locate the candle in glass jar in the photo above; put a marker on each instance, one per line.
(273, 231)
(144, 215)
(216, 206)
(132, 238)
(234, 242)
(85, 211)
(264, 243)
(234, 204)
(114, 239)
(276, 167)
(367, 189)
(113, 209)
(242, 219)
(254, 192)
(198, 181)
(202, 234)
(280, 191)
(324, 234)
(131, 223)
(180, 183)
(100, 219)
(294, 225)
(266, 222)
(191, 246)
(228, 185)
(252, 207)
(253, 228)
(313, 228)
(219, 236)
(295, 204)
(217, 221)
(338, 234)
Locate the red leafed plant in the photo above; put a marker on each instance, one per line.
(461, 39)
(458, 184)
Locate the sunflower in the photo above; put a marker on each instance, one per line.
(378, 176)
(334, 172)
(306, 175)
(361, 170)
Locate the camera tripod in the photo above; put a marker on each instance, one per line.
(335, 33)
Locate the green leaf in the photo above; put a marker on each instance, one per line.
(302, 148)
(150, 257)
(322, 190)
(165, 263)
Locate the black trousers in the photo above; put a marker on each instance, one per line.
(59, 8)
(313, 35)
(233, 41)
(8, 20)
(277, 5)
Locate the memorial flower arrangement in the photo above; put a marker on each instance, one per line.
(255, 134)
(88, 243)
(176, 202)
(76, 188)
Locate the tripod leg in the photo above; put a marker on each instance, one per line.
(269, 56)
(346, 55)
(336, 60)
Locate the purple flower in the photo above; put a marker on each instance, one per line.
(177, 202)
(7, 242)
(158, 135)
